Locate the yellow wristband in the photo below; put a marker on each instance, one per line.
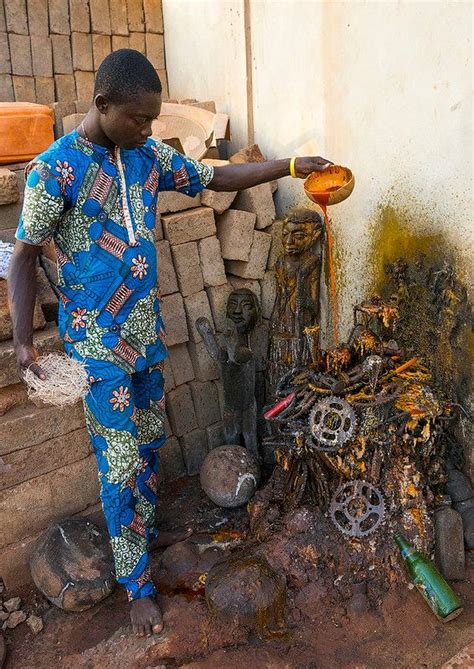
(292, 168)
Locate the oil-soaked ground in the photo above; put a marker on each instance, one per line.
(323, 632)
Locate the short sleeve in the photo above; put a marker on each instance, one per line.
(177, 172)
(43, 205)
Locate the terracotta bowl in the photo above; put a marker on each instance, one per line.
(331, 186)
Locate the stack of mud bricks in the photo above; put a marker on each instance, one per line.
(50, 49)
(208, 246)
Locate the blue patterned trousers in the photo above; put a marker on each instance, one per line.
(125, 420)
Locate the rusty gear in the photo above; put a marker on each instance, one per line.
(332, 422)
(357, 508)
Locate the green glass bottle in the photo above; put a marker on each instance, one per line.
(439, 596)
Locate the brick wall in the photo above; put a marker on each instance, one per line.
(50, 49)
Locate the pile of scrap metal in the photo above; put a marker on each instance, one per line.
(359, 432)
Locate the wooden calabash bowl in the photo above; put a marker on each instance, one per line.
(331, 186)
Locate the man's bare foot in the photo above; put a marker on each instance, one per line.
(146, 616)
(170, 538)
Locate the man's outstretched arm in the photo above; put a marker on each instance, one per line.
(22, 299)
(246, 175)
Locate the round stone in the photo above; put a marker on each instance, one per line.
(230, 476)
(180, 559)
(72, 564)
(246, 588)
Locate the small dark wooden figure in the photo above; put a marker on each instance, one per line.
(237, 367)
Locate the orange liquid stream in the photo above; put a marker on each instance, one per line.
(323, 201)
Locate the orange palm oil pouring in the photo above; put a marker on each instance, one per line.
(325, 188)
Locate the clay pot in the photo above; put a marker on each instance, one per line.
(72, 564)
(246, 589)
(230, 476)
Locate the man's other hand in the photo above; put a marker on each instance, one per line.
(26, 357)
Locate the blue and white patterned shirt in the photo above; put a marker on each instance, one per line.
(99, 208)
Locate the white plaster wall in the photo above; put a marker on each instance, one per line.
(382, 87)
(399, 113)
(205, 56)
(288, 82)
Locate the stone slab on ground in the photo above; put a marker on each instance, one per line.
(181, 364)
(174, 318)
(257, 262)
(212, 265)
(167, 278)
(188, 268)
(189, 226)
(235, 233)
(180, 410)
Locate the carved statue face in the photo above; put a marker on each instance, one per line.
(242, 309)
(299, 237)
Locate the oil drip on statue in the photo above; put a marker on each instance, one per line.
(298, 290)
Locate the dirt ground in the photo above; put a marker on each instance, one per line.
(401, 633)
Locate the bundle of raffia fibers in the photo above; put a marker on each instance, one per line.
(66, 380)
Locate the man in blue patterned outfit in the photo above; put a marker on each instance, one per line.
(94, 193)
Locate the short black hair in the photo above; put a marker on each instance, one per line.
(125, 73)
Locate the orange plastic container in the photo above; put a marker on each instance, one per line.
(26, 129)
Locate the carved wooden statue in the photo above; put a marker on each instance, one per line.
(298, 284)
(237, 367)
